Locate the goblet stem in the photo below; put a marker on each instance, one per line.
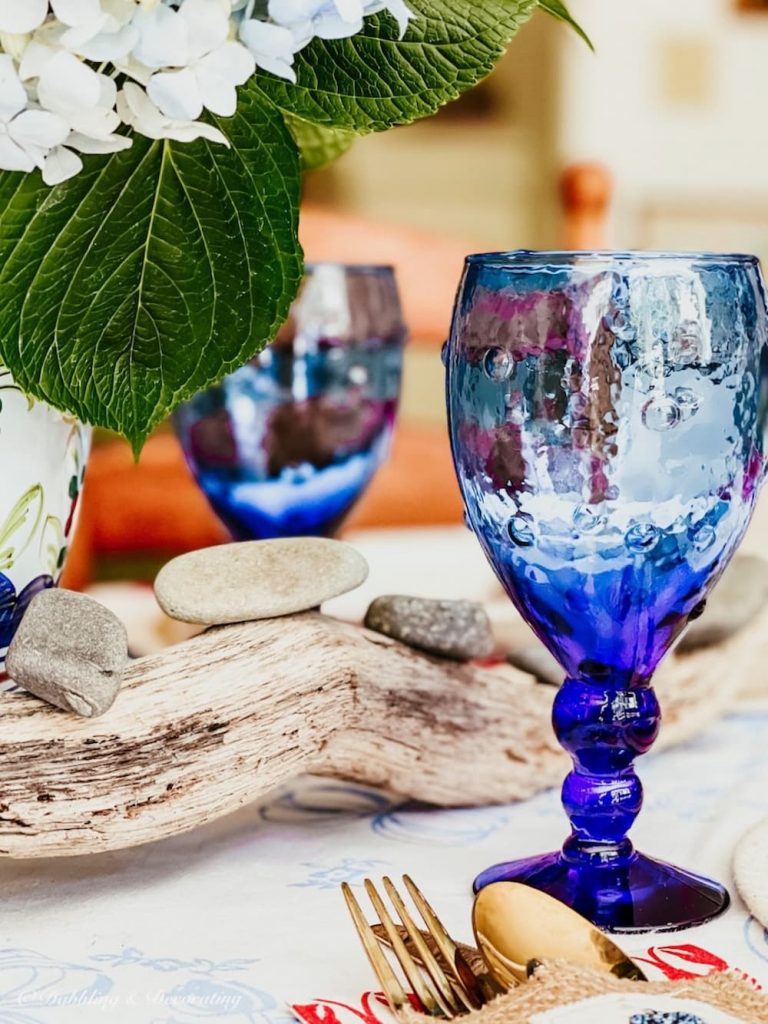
(604, 728)
(598, 872)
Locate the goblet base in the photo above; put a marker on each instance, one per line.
(637, 895)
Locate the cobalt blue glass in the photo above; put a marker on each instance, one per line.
(607, 416)
(287, 444)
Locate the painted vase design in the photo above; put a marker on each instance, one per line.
(45, 456)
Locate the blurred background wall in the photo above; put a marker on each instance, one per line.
(671, 103)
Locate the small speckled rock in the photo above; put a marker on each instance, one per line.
(451, 629)
(740, 595)
(259, 579)
(749, 874)
(70, 651)
(536, 660)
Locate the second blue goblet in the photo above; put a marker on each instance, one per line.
(287, 444)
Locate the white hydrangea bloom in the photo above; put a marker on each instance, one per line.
(328, 19)
(107, 34)
(19, 16)
(304, 20)
(26, 133)
(208, 83)
(273, 47)
(138, 111)
(173, 60)
(332, 19)
(60, 165)
(67, 86)
(194, 40)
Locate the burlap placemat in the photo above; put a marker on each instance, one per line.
(562, 993)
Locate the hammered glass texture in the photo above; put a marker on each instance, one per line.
(287, 444)
(607, 417)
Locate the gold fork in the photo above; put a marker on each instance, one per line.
(447, 987)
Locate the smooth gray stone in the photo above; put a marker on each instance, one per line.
(450, 629)
(71, 651)
(257, 579)
(536, 660)
(740, 595)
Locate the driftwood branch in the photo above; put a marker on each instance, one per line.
(221, 720)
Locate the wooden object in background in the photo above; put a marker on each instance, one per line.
(586, 190)
(220, 720)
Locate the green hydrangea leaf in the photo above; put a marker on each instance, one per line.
(153, 272)
(318, 145)
(375, 80)
(558, 10)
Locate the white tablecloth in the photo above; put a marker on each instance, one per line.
(239, 920)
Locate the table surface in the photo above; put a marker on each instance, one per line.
(240, 920)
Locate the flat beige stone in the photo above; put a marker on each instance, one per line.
(259, 579)
(749, 874)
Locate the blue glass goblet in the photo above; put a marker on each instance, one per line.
(287, 444)
(607, 413)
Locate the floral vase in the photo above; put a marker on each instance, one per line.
(42, 454)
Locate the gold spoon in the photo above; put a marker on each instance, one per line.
(515, 924)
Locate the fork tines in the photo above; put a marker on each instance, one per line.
(439, 987)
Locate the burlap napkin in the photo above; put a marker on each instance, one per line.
(562, 994)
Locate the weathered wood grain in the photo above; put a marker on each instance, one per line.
(222, 719)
